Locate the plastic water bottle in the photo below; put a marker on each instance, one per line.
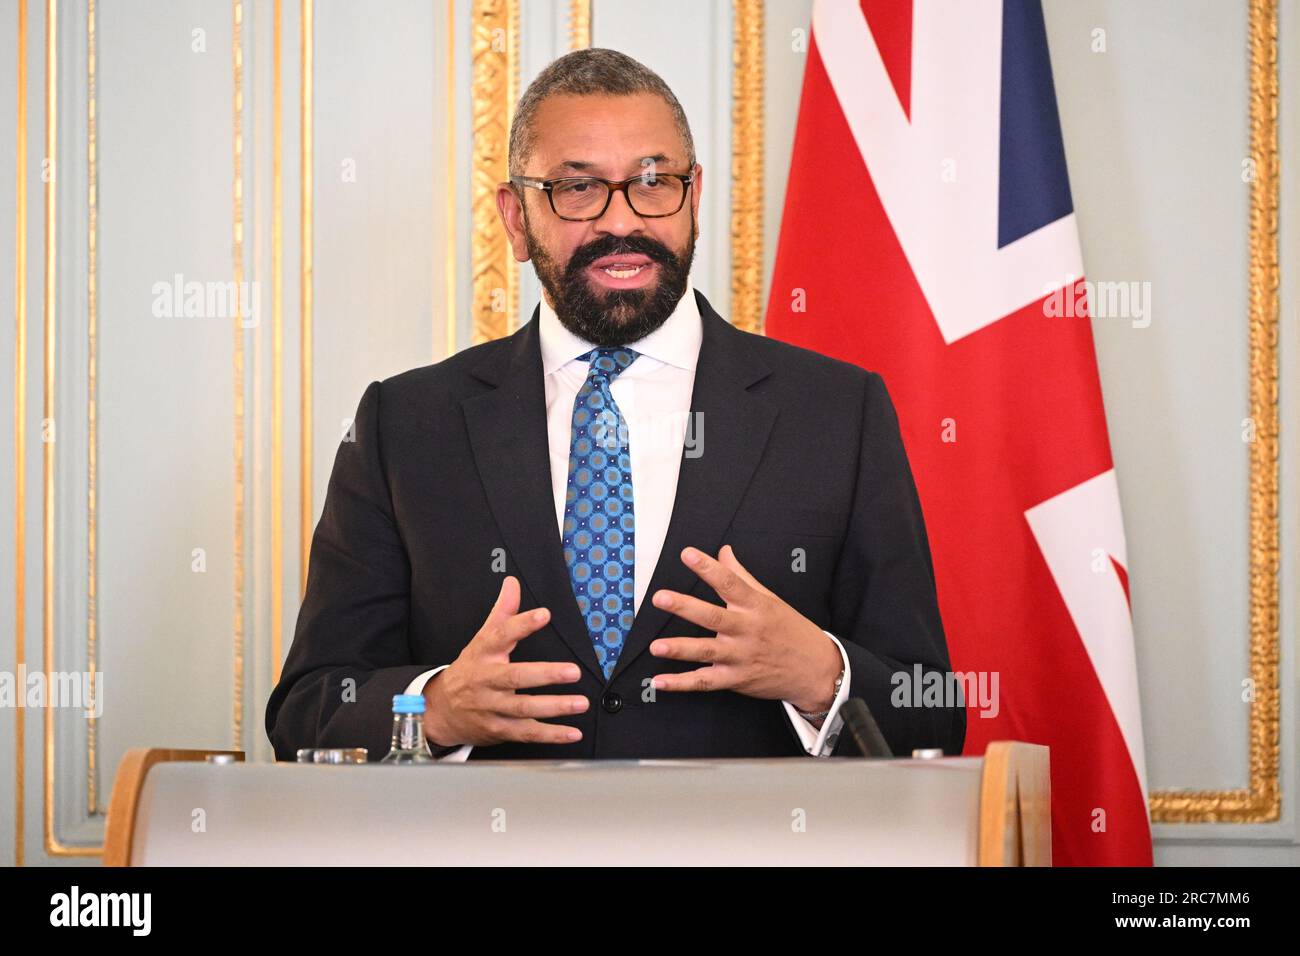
(408, 731)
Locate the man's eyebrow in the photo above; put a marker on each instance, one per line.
(582, 165)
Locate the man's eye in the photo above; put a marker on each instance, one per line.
(579, 187)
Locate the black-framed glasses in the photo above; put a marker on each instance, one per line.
(651, 195)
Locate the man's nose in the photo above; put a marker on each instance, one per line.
(619, 218)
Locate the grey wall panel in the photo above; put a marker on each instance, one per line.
(1156, 129)
(8, 246)
(166, 392)
(376, 153)
(786, 35)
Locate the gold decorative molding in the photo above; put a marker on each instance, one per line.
(1261, 800)
(493, 49)
(747, 165)
(579, 24)
(512, 54)
(449, 185)
(20, 424)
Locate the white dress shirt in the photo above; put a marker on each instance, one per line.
(654, 396)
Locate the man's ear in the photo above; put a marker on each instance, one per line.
(511, 210)
(697, 187)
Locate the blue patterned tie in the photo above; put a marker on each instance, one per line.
(598, 518)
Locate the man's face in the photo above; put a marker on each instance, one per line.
(615, 279)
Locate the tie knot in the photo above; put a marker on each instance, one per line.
(608, 361)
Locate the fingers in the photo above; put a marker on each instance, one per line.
(515, 716)
(706, 650)
(506, 704)
(718, 619)
(701, 679)
(534, 674)
(729, 585)
(505, 626)
(484, 699)
(727, 557)
(516, 628)
(507, 602)
(528, 731)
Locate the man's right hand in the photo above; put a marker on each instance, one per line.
(473, 701)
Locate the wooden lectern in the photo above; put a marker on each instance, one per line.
(174, 807)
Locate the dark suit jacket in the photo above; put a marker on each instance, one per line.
(449, 469)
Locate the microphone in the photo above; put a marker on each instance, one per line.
(864, 730)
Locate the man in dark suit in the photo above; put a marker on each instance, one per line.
(707, 540)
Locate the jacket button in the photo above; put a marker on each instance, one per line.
(611, 702)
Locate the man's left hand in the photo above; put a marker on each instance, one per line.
(763, 648)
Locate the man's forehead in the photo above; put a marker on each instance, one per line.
(591, 134)
(592, 167)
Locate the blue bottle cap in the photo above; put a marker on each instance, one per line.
(408, 703)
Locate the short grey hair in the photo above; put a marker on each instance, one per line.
(591, 72)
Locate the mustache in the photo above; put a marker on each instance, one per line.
(585, 255)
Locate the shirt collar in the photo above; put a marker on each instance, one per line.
(676, 342)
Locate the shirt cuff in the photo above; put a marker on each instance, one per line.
(461, 753)
(820, 743)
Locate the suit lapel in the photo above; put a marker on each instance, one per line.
(507, 431)
(508, 434)
(731, 426)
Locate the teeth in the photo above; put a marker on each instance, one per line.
(624, 273)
